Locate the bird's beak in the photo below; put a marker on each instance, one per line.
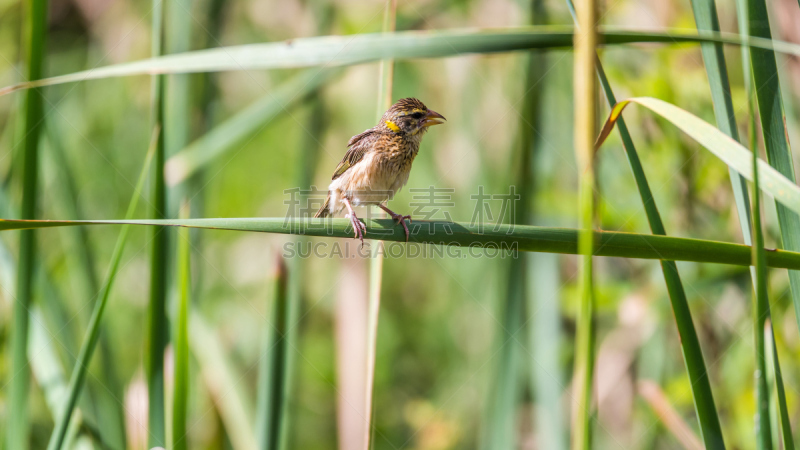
(433, 118)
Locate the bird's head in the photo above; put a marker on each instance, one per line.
(409, 116)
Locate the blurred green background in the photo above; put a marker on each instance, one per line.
(443, 337)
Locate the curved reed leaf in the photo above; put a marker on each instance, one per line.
(330, 51)
(93, 332)
(722, 146)
(461, 234)
(705, 14)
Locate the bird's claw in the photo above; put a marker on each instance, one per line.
(401, 220)
(359, 227)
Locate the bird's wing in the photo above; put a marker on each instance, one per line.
(356, 148)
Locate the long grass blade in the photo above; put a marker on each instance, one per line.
(585, 100)
(768, 99)
(177, 104)
(500, 238)
(45, 363)
(690, 345)
(93, 332)
(761, 317)
(729, 151)
(385, 84)
(330, 51)
(769, 337)
(228, 134)
(109, 387)
(774, 370)
(180, 399)
(705, 15)
(44, 343)
(17, 424)
(270, 409)
(157, 324)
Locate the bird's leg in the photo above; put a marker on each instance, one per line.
(399, 218)
(358, 226)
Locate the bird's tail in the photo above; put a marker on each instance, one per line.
(325, 210)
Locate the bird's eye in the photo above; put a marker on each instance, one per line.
(417, 115)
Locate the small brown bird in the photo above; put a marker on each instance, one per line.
(378, 161)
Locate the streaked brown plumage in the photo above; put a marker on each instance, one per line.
(378, 162)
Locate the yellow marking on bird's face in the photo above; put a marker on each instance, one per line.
(415, 110)
(392, 126)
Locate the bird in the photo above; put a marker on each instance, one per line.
(378, 162)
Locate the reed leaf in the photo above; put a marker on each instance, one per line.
(109, 387)
(690, 344)
(93, 331)
(44, 344)
(180, 399)
(178, 109)
(785, 192)
(499, 238)
(761, 317)
(330, 51)
(705, 15)
(17, 424)
(271, 406)
(771, 351)
(375, 279)
(774, 370)
(157, 324)
(764, 71)
(585, 100)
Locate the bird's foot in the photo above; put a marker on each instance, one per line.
(359, 227)
(401, 220)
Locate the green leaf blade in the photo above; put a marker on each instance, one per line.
(93, 331)
(270, 410)
(501, 238)
(333, 51)
(17, 428)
